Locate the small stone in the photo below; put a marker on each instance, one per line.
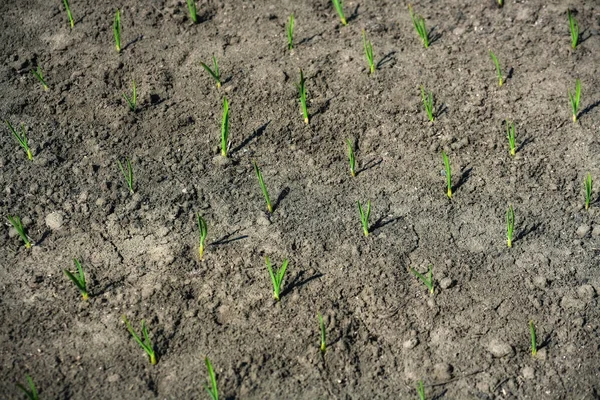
(499, 348)
(54, 221)
(586, 292)
(583, 230)
(596, 231)
(442, 371)
(540, 281)
(410, 343)
(113, 378)
(221, 161)
(528, 373)
(263, 220)
(446, 283)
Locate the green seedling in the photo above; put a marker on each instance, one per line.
(510, 134)
(574, 27)
(351, 158)
(368, 46)
(277, 278)
(212, 389)
(574, 99)
(146, 344)
(419, 23)
(132, 101)
(587, 182)
(533, 338)
(117, 30)
(290, 32)
(213, 72)
(225, 128)
(428, 103)
(18, 225)
(78, 280)
(203, 230)
(261, 182)
(498, 69)
(302, 91)
(192, 10)
(364, 217)
(510, 225)
(339, 7)
(71, 22)
(500, 3)
(421, 390)
(448, 174)
(39, 74)
(31, 393)
(128, 174)
(322, 328)
(21, 138)
(427, 281)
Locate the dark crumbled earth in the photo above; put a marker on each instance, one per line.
(385, 332)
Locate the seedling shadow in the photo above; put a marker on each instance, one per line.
(44, 236)
(582, 38)
(524, 143)
(257, 133)
(381, 222)
(434, 36)
(137, 39)
(389, 57)
(299, 281)
(354, 14)
(308, 39)
(442, 110)
(589, 108)
(324, 107)
(281, 197)
(228, 239)
(509, 73)
(464, 177)
(440, 395)
(371, 164)
(527, 231)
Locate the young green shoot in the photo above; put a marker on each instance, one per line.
(427, 281)
(498, 69)
(261, 182)
(364, 217)
(290, 32)
(322, 328)
(225, 128)
(302, 91)
(339, 7)
(214, 72)
(448, 174)
(146, 344)
(587, 182)
(192, 10)
(132, 101)
(68, 9)
(574, 27)
(212, 389)
(510, 134)
(500, 3)
(21, 138)
(421, 390)
(117, 30)
(127, 173)
(368, 46)
(203, 230)
(574, 99)
(351, 158)
(533, 338)
(39, 74)
(78, 280)
(419, 23)
(31, 393)
(277, 277)
(18, 225)
(510, 225)
(428, 103)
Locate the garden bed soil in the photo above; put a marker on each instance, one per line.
(469, 340)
